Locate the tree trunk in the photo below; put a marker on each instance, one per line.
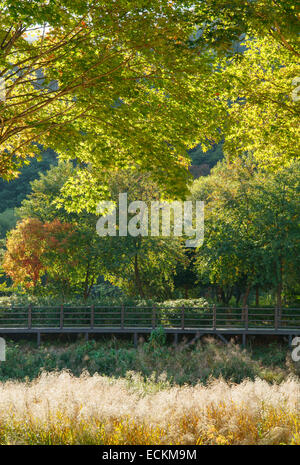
(186, 291)
(238, 296)
(279, 286)
(279, 295)
(137, 277)
(225, 295)
(219, 294)
(257, 296)
(86, 290)
(246, 295)
(245, 299)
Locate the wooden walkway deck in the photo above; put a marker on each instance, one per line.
(89, 320)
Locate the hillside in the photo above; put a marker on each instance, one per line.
(13, 192)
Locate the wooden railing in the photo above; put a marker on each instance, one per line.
(122, 317)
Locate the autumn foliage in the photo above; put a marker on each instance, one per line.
(31, 245)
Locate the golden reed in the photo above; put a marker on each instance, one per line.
(58, 408)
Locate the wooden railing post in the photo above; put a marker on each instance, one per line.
(276, 318)
(246, 317)
(61, 317)
(214, 317)
(29, 317)
(182, 318)
(92, 316)
(122, 316)
(153, 317)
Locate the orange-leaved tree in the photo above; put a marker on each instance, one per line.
(36, 250)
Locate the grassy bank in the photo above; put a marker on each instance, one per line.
(62, 409)
(185, 363)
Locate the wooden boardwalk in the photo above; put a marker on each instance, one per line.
(89, 320)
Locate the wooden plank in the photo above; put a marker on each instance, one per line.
(147, 330)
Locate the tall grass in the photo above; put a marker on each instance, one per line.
(58, 408)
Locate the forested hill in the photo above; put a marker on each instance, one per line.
(13, 192)
(203, 162)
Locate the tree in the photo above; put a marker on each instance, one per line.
(50, 257)
(185, 274)
(141, 265)
(262, 114)
(223, 23)
(257, 80)
(252, 233)
(25, 245)
(86, 253)
(4, 280)
(142, 88)
(39, 202)
(106, 82)
(276, 213)
(72, 259)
